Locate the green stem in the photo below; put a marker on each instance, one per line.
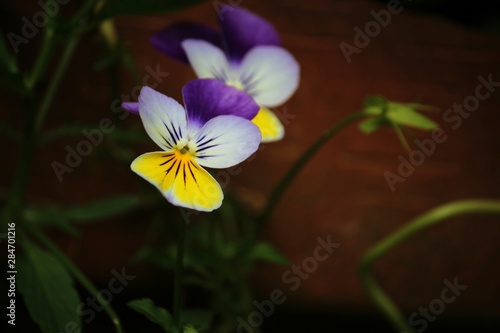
(430, 218)
(79, 276)
(299, 164)
(56, 80)
(7, 59)
(43, 58)
(15, 201)
(179, 273)
(87, 7)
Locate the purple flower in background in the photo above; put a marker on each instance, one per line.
(213, 130)
(246, 54)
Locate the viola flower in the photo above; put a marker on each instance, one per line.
(246, 54)
(213, 130)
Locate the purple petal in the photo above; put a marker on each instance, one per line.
(242, 30)
(132, 107)
(205, 99)
(168, 41)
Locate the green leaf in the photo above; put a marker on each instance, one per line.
(405, 115)
(402, 114)
(62, 218)
(156, 314)
(47, 290)
(371, 125)
(128, 136)
(112, 8)
(66, 131)
(264, 251)
(51, 216)
(101, 209)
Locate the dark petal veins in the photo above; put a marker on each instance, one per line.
(201, 144)
(167, 142)
(207, 156)
(184, 174)
(171, 158)
(191, 171)
(199, 150)
(175, 138)
(177, 171)
(250, 83)
(171, 167)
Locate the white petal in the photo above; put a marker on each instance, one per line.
(208, 60)
(270, 74)
(225, 141)
(163, 118)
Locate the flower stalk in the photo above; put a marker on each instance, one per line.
(179, 269)
(283, 184)
(426, 220)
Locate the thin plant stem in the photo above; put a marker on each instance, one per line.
(428, 219)
(8, 61)
(87, 7)
(179, 268)
(56, 80)
(280, 188)
(79, 276)
(43, 58)
(16, 197)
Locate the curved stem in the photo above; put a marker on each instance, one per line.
(299, 164)
(79, 276)
(430, 218)
(178, 274)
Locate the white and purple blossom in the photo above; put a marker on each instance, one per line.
(212, 130)
(245, 54)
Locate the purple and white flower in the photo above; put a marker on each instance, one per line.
(246, 54)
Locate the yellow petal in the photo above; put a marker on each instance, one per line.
(269, 125)
(180, 179)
